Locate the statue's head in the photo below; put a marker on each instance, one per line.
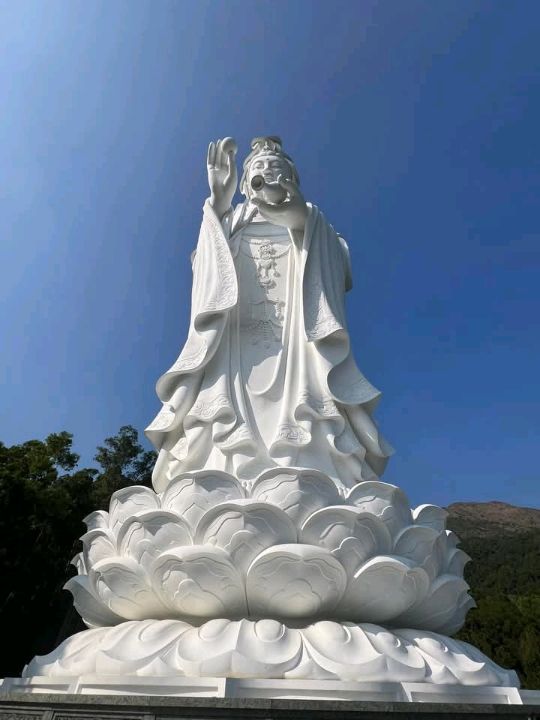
(267, 159)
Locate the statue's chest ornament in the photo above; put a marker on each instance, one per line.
(266, 316)
(265, 254)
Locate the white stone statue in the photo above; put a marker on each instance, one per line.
(269, 550)
(266, 378)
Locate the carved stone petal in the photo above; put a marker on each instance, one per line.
(97, 519)
(362, 653)
(294, 581)
(421, 545)
(78, 562)
(130, 501)
(383, 589)
(199, 581)
(451, 539)
(456, 561)
(90, 607)
(239, 649)
(98, 544)
(266, 648)
(75, 656)
(244, 529)
(137, 647)
(122, 584)
(299, 493)
(431, 516)
(191, 495)
(388, 502)
(351, 535)
(452, 661)
(443, 608)
(145, 536)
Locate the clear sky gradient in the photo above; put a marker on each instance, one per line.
(415, 127)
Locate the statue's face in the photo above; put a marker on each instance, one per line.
(270, 167)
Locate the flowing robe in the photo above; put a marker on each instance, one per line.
(266, 377)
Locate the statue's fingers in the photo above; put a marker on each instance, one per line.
(288, 184)
(229, 145)
(230, 165)
(220, 155)
(211, 158)
(269, 211)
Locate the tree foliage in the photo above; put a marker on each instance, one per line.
(504, 576)
(43, 500)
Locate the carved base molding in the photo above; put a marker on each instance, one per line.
(142, 652)
(216, 687)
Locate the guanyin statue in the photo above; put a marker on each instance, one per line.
(266, 378)
(269, 552)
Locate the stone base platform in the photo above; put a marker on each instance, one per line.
(335, 702)
(219, 687)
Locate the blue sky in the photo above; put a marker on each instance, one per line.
(414, 125)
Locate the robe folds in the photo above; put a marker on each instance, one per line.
(266, 377)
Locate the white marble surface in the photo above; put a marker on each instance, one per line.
(290, 545)
(323, 651)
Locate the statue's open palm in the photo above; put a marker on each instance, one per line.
(222, 174)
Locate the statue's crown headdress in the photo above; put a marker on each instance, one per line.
(266, 145)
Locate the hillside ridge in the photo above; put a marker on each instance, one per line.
(486, 518)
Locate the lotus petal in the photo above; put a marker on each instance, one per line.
(99, 519)
(133, 647)
(362, 653)
(451, 540)
(123, 585)
(199, 581)
(143, 537)
(456, 621)
(299, 493)
(75, 656)
(78, 562)
(221, 648)
(268, 649)
(387, 502)
(191, 495)
(460, 662)
(130, 501)
(430, 516)
(421, 545)
(244, 529)
(98, 544)
(90, 607)
(383, 589)
(444, 607)
(455, 562)
(350, 534)
(294, 581)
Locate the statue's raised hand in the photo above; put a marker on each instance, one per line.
(291, 213)
(222, 174)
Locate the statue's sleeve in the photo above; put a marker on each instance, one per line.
(214, 294)
(326, 278)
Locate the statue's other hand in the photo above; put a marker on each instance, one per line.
(291, 213)
(222, 174)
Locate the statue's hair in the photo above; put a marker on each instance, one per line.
(266, 145)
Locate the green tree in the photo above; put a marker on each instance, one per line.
(124, 462)
(43, 500)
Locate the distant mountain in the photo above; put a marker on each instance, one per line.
(491, 518)
(504, 574)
